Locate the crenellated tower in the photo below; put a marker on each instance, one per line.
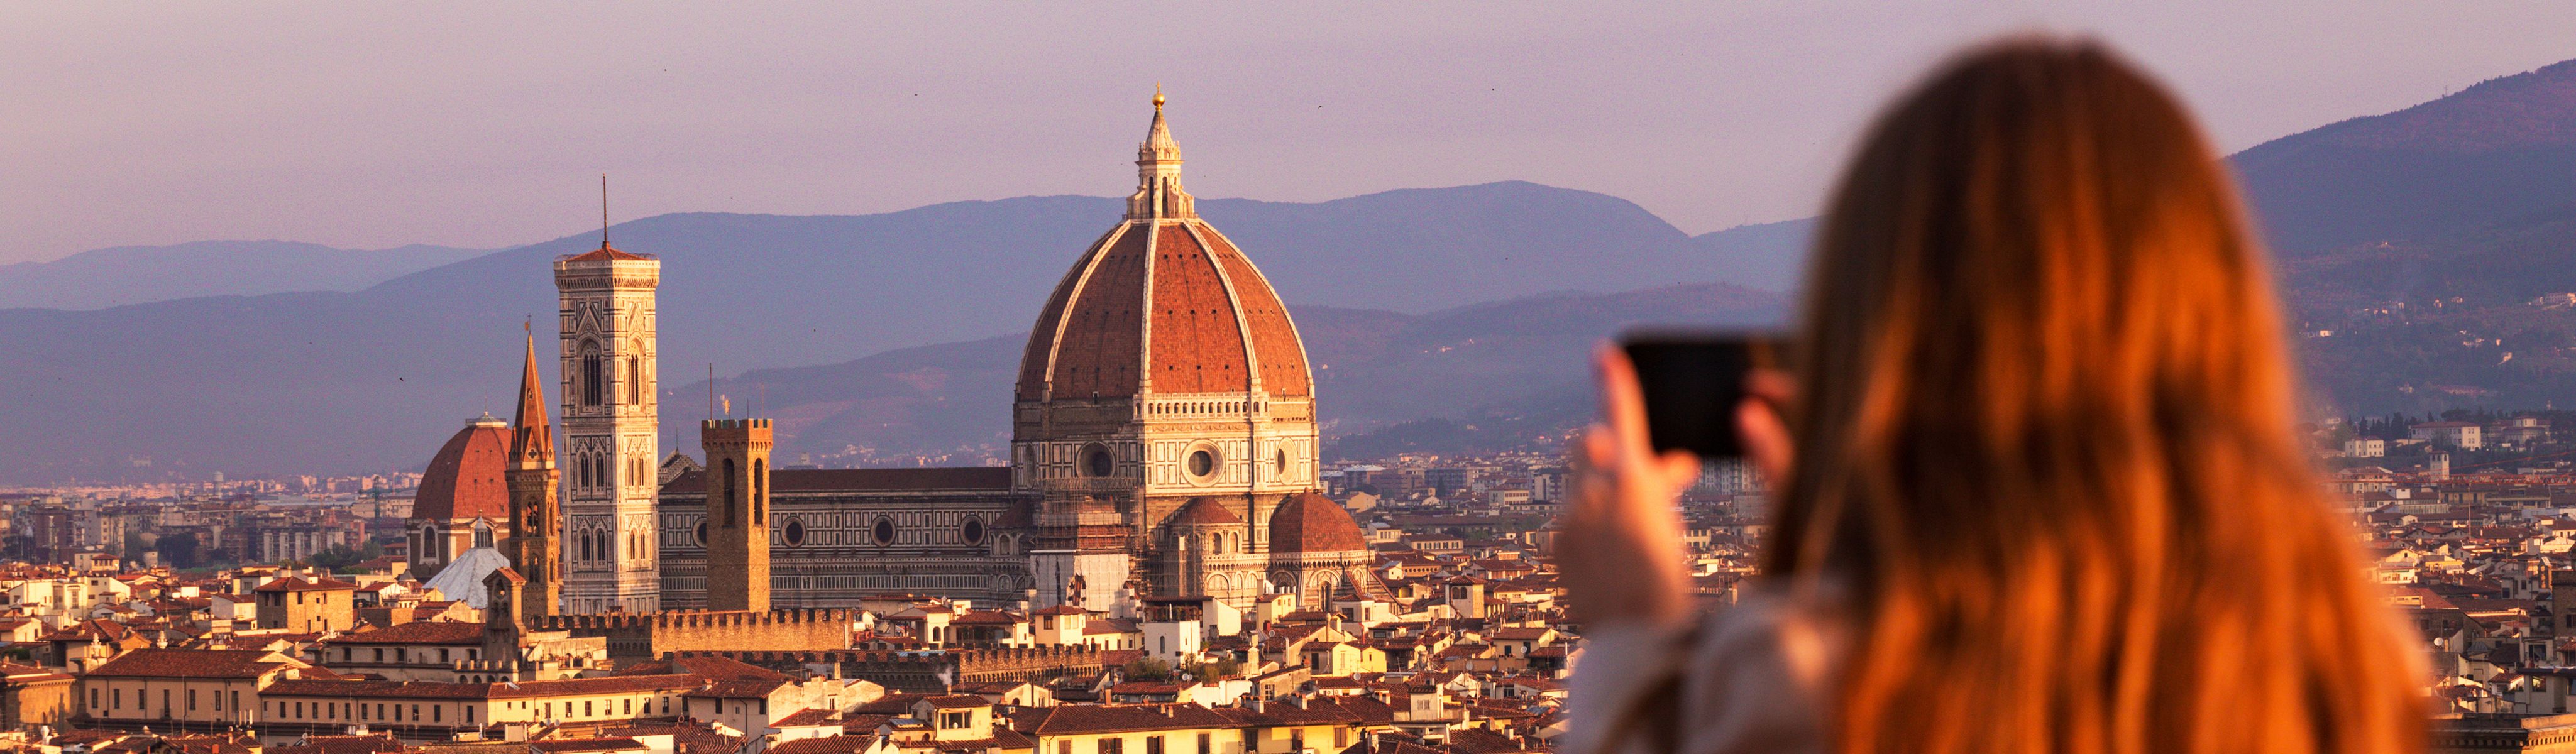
(737, 523)
(610, 419)
(535, 519)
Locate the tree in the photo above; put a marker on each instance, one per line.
(1147, 669)
(178, 550)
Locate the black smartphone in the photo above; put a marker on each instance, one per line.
(1693, 381)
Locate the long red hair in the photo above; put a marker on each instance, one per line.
(2044, 438)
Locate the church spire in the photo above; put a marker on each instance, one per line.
(1158, 174)
(532, 441)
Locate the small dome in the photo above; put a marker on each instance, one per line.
(466, 480)
(1201, 511)
(1308, 522)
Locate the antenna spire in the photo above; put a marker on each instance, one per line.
(603, 210)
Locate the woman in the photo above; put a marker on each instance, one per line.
(2036, 480)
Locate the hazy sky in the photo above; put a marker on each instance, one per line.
(488, 124)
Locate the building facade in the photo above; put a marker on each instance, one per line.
(1163, 444)
(837, 536)
(610, 417)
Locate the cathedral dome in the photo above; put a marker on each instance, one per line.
(1201, 512)
(1308, 522)
(1162, 304)
(465, 479)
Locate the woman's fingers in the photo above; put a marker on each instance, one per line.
(1623, 403)
(1680, 469)
(1765, 438)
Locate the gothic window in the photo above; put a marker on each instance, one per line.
(635, 376)
(587, 553)
(732, 496)
(592, 381)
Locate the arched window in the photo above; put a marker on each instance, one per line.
(760, 490)
(592, 380)
(732, 496)
(586, 552)
(635, 375)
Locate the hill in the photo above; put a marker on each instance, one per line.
(143, 274)
(2413, 246)
(330, 382)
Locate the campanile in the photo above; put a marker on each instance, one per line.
(610, 417)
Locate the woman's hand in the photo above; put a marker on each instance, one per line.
(1620, 541)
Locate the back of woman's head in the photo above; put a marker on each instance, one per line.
(2044, 437)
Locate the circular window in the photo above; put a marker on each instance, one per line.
(795, 532)
(973, 530)
(702, 534)
(1096, 461)
(882, 532)
(1283, 461)
(1202, 462)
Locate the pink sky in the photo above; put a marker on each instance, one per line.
(488, 124)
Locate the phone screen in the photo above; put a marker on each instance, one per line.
(1693, 382)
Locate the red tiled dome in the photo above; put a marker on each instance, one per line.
(1178, 295)
(1202, 511)
(465, 479)
(1163, 303)
(1308, 522)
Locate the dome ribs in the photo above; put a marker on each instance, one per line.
(1274, 336)
(1039, 358)
(1197, 343)
(1103, 327)
(465, 480)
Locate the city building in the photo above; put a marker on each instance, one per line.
(610, 417)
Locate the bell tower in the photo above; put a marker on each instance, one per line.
(610, 417)
(737, 488)
(536, 520)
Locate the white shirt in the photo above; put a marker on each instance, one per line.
(1750, 680)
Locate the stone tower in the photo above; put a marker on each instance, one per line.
(536, 521)
(610, 421)
(737, 485)
(1162, 370)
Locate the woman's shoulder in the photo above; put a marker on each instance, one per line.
(1760, 668)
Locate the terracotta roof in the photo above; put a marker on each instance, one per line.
(519, 690)
(465, 479)
(369, 744)
(709, 666)
(604, 253)
(973, 478)
(824, 745)
(987, 617)
(191, 663)
(293, 584)
(587, 744)
(1202, 511)
(1077, 719)
(807, 717)
(1177, 294)
(418, 632)
(1308, 522)
(958, 701)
